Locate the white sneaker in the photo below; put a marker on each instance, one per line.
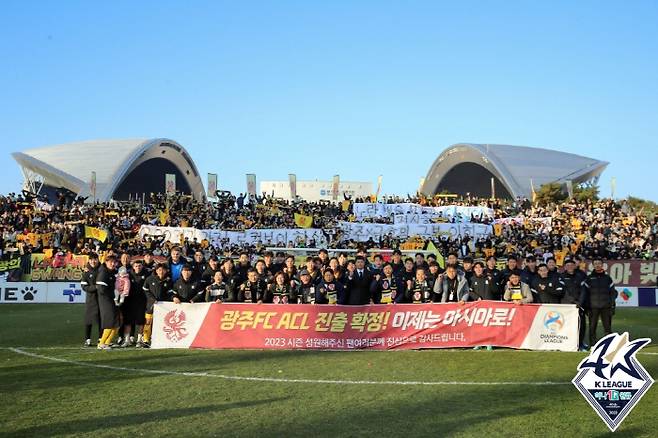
(104, 347)
(87, 343)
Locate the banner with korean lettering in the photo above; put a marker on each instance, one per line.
(380, 327)
(364, 210)
(363, 231)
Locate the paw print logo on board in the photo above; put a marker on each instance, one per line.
(28, 293)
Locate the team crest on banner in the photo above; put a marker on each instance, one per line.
(174, 325)
(611, 379)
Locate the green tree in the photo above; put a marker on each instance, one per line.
(583, 192)
(550, 193)
(648, 208)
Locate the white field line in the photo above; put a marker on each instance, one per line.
(280, 380)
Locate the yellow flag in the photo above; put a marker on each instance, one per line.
(559, 257)
(346, 205)
(95, 233)
(434, 250)
(164, 217)
(498, 229)
(303, 221)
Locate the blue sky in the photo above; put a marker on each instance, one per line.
(357, 88)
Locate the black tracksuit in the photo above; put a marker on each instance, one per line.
(480, 288)
(495, 282)
(574, 294)
(549, 290)
(600, 295)
(156, 289)
(188, 291)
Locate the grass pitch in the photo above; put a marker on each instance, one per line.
(52, 387)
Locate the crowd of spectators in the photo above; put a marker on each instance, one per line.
(601, 228)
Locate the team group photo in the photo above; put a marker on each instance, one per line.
(296, 218)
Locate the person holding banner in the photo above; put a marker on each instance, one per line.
(219, 291)
(419, 290)
(157, 287)
(451, 287)
(495, 278)
(305, 289)
(329, 291)
(516, 291)
(109, 312)
(92, 311)
(280, 291)
(547, 289)
(387, 288)
(186, 289)
(253, 290)
(358, 283)
(480, 285)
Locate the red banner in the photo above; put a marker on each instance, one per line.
(380, 327)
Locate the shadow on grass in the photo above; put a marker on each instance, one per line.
(106, 423)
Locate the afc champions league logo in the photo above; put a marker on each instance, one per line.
(174, 325)
(611, 379)
(553, 321)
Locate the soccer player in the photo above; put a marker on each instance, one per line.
(187, 289)
(92, 312)
(157, 287)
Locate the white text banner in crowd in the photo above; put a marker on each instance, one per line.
(225, 237)
(365, 210)
(362, 232)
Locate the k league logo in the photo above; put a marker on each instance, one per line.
(611, 379)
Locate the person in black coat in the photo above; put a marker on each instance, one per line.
(253, 290)
(330, 291)
(600, 295)
(481, 287)
(92, 312)
(219, 291)
(109, 312)
(546, 289)
(495, 278)
(157, 287)
(133, 308)
(358, 283)
(187, 289)
(573, 280)
(387, 288)
(208, 274)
